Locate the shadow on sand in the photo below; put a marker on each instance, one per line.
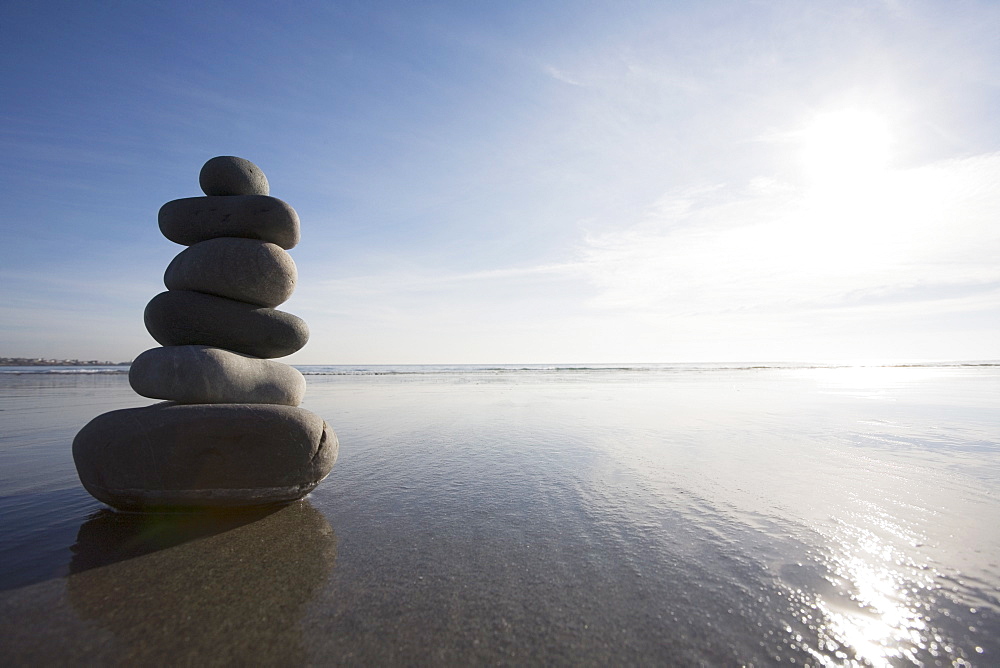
(108, 537)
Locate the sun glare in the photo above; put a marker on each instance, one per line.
(846, 146)
(849, 197)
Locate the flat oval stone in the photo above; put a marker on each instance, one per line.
(246, 270)
(185, 317)
(229, 175)
(192, 219)
(204, 375)
(181, 457)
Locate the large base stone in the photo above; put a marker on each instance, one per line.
(185, 457)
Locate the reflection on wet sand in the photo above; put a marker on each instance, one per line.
(232, 587)
(875, 603)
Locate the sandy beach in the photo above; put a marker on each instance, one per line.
(543, 516)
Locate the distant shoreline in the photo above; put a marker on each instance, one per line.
(380, 369)
(29, 361)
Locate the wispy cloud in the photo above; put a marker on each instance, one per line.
(560, 75)
(772, 248)
(762, 270)
(419, 280)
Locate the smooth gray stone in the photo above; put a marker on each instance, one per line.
(192, 219)
(204, 375)
(229, 175)
(246, 270)
(170, 456)
(185, 317)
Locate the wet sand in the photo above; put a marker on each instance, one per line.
(699, 517)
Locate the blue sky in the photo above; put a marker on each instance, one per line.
(522, 182)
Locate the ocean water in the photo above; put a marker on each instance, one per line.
(564, 514)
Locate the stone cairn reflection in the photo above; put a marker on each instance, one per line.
(230, 432)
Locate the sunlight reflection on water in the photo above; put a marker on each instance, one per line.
(876, 609)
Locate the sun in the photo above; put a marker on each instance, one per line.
(850, 197)
(845, 146)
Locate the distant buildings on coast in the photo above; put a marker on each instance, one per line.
(38, 361)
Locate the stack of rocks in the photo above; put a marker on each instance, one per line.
(230, 432)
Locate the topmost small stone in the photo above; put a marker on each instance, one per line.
(229, 175)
